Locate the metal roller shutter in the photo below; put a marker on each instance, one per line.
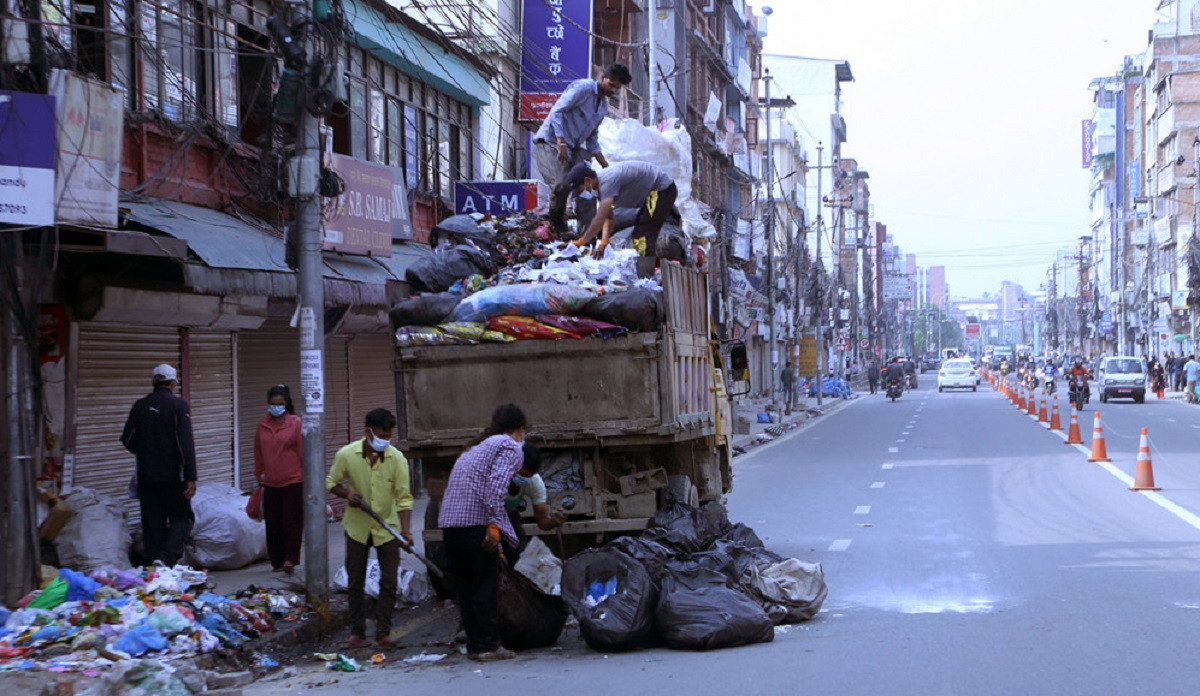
(266, 357)
(210, 388)
(338, 419)
(371, 381)
(115, 365)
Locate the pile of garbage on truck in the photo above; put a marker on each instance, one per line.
(507, 278)
(87, 622)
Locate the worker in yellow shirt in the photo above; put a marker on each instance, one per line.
(370, 470)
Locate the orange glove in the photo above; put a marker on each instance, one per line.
(491, 540)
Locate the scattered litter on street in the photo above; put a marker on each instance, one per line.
(424, 657)
(339, 662)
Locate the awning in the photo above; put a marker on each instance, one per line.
(220, 240)
(398, 45)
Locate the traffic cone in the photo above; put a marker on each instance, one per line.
(1055, 421)
(1074, 437)
(1099, 451)
(1020, 398)
(1143, 478)
(1043, 417)
(1032, 403)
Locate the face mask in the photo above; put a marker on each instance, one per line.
(276, 409)
(379, 444)
(521, 481)
(587, 195)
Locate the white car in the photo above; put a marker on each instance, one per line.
(958, 373)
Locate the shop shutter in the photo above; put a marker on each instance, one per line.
(115, 366)
(371, 382)
(338, 421)
(266, 357)
(210, 389)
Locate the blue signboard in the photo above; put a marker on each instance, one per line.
(28, 152)
(495, 197)
(556, 50)
(1106, 323)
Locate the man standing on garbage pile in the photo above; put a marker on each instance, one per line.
(632, 184)
(528, 484)
(374, 472)
(159, 433)
(473, 522)
(570, 134)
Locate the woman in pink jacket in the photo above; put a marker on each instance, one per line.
(279, 469)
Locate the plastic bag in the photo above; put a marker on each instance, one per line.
(697, 611)
(438, 272)
(497, 337)
(142, 639)
(53, 595)
(540, 565)
(79, 586)
(411, 588)
(637, 309)
(254, 506)
(527, 328)
(224, 537)
(675, 527)
(423, 336)
(651, 554)
(169, 620)
(789, 591)
(96, 535)
(582, 326)
(624, 621)
(526, 617)
(524, 299)
(425, 310)
(674, 245)
(466, 330)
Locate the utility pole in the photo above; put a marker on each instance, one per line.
(1195, 237)
(19, 559)
(651, 97)
(817, 275)
(770, 235)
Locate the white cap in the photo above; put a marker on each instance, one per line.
(164, 373)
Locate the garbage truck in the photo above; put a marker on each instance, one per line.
(619, 421)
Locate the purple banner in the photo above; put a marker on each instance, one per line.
(1088, 127)
(556, 50)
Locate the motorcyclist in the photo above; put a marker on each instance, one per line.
(910, 370)
(1005, 368)
(1049, 370)
(894, 372)
(1080, 373)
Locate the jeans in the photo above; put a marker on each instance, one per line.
(475, 582)
(356, 571)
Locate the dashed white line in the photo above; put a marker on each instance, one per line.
(899, 439)
(880, 484)
(893, 450)
(862, 510)
(840, 545)
(889, 465)
(906, 432)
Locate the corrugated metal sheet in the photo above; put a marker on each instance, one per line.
(371, 382)
(211, 392)
(337, 397)
(221, 240)
(266, 357)
(115, 365)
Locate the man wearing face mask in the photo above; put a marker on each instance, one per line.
(639, 185)
(370, 470)
(569, 135)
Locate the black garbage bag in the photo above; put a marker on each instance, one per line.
(437, 272)
(674, 526)
(637, 309)
(746, 556)
(525, 616)
(651, 554)
(712, 522)
(673, 244)
(697, 611)
(623, 620)
(717, 561)
(462, 229)
(425, 310)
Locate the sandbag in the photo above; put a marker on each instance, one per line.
(425, 310)
(697, 611)
(526, 617)
(637, 309)
(96, 534)
(621, 621)
(448, 265)
(789, 591)
(224, 538)
(522, 299)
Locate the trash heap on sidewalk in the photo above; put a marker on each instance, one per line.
(503, 279)
(87, 622)
(691, 581)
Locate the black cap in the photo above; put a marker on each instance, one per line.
(578, 173)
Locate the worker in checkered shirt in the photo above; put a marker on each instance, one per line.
(473, 521)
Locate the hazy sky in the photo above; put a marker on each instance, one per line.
(967, 115)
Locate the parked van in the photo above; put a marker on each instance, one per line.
(1121, 377)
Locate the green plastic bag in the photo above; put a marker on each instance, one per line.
(54, 595)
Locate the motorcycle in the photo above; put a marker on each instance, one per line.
(894, 389)
(912, 380)
(1080, 393)
(1050, 386)
(1031, 379)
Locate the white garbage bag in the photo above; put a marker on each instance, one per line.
(789, 591)
(540, 565)
(96, 535)
(224, 536)
(411, 587)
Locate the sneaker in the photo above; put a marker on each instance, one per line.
(493, 655)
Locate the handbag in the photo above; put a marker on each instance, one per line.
(254, 506)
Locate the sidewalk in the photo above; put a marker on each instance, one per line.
(805, 410)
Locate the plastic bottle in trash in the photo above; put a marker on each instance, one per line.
(610, 587)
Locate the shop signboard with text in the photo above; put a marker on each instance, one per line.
(556, 50)
(372, 211)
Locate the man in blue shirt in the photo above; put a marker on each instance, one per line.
(569, 135)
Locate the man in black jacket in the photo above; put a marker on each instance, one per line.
(159, 433)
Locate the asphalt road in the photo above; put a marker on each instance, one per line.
(966, 549)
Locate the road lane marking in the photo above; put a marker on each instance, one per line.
(840, 545)
(893, 450)
(862, 510)
(889, 465)
(906, 432)
(880, 484)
